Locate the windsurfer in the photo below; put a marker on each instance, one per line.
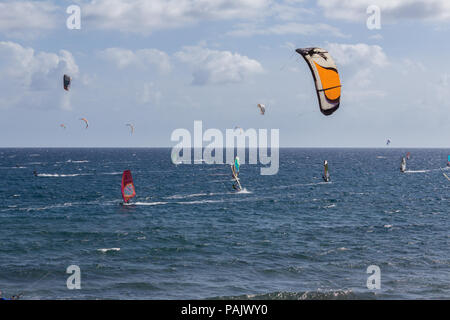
(403, 165)
(326, 175)
(128, 191)
(235, 173)
(235, 177)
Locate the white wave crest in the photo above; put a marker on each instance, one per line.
(108, 249)
(56, 175)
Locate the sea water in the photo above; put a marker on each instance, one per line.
(189, 235)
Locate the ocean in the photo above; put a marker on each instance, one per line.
(190, 236)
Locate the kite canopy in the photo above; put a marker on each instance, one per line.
(85, 121)
(66, 82)
(326, 78)
(131, 127)
(241, 131)
(262, 108)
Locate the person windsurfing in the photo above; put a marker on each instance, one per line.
(35, 173)
(326, 174)
(128, 191)
(235, 174)
(403, 165)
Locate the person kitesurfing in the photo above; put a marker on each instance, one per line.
(235, 174)
(403, 165)
(326, 174)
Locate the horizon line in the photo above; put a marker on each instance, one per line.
(170, 147)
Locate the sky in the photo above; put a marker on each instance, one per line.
(162, 64)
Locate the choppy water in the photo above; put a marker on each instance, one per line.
(189, 236)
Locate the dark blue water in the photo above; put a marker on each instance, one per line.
(189, 236)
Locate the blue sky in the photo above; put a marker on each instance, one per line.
(163, 64)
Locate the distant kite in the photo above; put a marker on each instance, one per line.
(262, 108)
(66, 82)
(85, 121)
(62, 125)
(131, 127)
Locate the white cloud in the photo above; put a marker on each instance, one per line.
(443, 88)
(33, 79)
(146, 17)
(248, 29)
(391, 10)
(141, 16)
(289, 10)
(25, 18)
(357, 65)
(149, 94)
(434, 95)
(123, 58)
(360, 55)
(377, 37)
(214, 67)
(410, 65)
